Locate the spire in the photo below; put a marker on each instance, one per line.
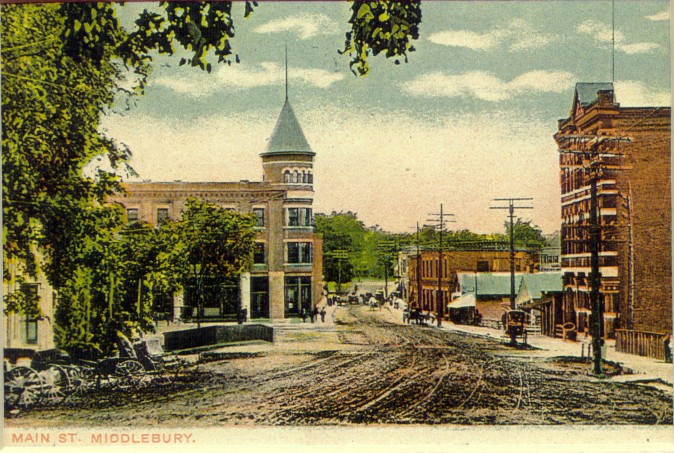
(287, 136)
(286, 71)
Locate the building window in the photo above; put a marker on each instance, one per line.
(299, 217)
(296, 177)
(31, 330)
(162, 215)
(310, 178)
(259, 217)
(483, 266)
(297, 295)
(258, 254)
(286, 177)
(132, 215)
(30, 291)
(299, 252)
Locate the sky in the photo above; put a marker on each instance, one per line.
(468, 119)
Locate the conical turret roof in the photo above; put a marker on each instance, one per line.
(288, 136)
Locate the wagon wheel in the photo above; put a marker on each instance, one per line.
(23, 388)
(55, 384)
(82, 379)
(130, 373)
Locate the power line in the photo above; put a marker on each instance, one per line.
(511, 213)
(440, 218)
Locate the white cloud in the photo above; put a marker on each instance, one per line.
(603, 34)
(639, 47)
(517, 36)
(306, 26)
(662, 15)
(487, 87)
(244, 77)
(464, 38)
(631, 93)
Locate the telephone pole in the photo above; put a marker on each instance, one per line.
(339, 255)
(440, 218)
(386, 248)
(590, 153)
(511, 213)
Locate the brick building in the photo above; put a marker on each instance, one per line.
(287, 273)
(634, 211)
(454, 261)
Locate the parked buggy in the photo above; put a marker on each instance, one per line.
(53, 375)
(33, 376)
(515, 325)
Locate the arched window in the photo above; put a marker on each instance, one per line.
(310, 178)
(295, 177)
(304, 177)
(286, 177)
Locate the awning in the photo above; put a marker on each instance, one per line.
(537, 303)
(467, 300)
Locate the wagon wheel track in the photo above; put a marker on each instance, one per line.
(428, 396)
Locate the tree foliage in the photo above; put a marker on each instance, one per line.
(365, 255)
(211, 242)
(51, 107)
(381, 27)
(63, 67)
(526, 234)
(340, 232)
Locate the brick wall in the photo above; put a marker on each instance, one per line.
(648, 180)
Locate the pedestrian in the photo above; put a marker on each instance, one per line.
(312, 314)
(322, 314)
(304, 315)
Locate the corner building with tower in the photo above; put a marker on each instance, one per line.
(287, 274)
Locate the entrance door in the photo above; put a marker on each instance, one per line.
(259, 297)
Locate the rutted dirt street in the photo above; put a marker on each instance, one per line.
(367, 371)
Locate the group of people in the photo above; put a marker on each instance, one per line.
(313, 314)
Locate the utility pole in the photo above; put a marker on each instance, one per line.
(339, 255)
(419, 286)
(440, 227)
(511, 213)
(594, 161)
(385, 248)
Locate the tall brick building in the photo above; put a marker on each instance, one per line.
(287, 274)
(633, 193)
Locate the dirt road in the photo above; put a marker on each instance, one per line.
(365, 370)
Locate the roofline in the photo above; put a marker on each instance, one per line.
(284, 153)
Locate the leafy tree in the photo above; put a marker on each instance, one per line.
(65, 65)
(340, 231)
(211, 242)
(381, 27)
(525, 234)
(50, 131)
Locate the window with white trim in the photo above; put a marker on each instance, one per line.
(299, 252)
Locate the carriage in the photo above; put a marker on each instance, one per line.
(53, 375)
(515, 325)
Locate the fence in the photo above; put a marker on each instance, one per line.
(210, 335)
(647, 344)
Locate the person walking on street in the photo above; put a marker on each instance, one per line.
(304, 315)
(322, 314)
(314, 314)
